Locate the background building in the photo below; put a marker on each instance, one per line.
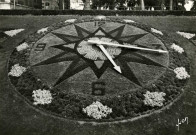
(20, 4)
(76, 4)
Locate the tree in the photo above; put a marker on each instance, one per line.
(194, 6)
(149, 3)
(142, 5)
(109, 3)
(103, 3)
(131, 3)
(120, 4)
(97, 3)
(156, 4)
(171, 5)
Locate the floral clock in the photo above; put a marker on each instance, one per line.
(99, 69)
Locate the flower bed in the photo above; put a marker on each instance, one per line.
(84, 107)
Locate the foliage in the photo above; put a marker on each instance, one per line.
(153, 3)
(97, 3)
(104, 3)
(131, 3)
(120, 4)
(194, 7)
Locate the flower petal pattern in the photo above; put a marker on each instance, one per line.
(177, 48)
(154, 98)
(22, 46)
(17, 70)
(181, 73)
(42, 97)
(97, 110)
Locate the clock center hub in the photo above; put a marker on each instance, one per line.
(93, 52)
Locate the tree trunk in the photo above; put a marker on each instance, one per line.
(87, 5)
(64, 4)
(14, 4)
(162, 4)
(171, 5)
(60, 4)
(142, 5)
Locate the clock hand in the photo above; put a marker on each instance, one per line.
(125, 46)
(116, 67)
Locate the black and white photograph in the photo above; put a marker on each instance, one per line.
(97, 67)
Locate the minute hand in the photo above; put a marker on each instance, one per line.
(125, 46)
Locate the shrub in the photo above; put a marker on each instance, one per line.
(96, 12)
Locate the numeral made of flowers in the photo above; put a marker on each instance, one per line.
(99, 23)
(98, 88)
(40, 47)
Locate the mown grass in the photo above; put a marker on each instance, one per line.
(19, 118)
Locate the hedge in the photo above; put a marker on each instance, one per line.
(97, 12)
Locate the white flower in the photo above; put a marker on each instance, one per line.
(97, 110)
(129, 21)
(17, 70)
(12, 33)
(185, 35)
(70, 21)
(181, 73)
(42, 97)
(154, 98)
(177, 48)
(156, 31)
(22, 46)
(43, 30)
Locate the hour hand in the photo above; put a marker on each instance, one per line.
(116, 67)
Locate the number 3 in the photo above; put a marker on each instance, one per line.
(40, 47)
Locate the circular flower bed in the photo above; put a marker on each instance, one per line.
(32, 71)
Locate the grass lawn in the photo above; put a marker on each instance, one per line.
(17, 117)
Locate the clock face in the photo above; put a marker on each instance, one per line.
(63, 73)
(76, 65)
